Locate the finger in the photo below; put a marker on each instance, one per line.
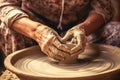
(54, 60)
(45, 45)
(74, 40)
(61, 46)
(51, 50)
(67, 36)
(54, 57)
(57, 35)
(56, 53)
(77, 53)
(79, 45)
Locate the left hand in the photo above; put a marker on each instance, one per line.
(76, 36)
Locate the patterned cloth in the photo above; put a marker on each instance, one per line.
(109, 34)
(47, 12)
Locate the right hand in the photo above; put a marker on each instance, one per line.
(76, 36)
(51, 43)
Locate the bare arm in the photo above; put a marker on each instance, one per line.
(92, 23)
(26, 27)
(102, 12)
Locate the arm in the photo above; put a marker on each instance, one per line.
(101, 13)
(92, 23)
(26, 27)
(15, 18)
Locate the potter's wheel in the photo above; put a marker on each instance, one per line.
(31, 62)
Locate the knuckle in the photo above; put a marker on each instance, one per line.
(60, 45)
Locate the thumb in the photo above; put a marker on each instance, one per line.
(67, 36)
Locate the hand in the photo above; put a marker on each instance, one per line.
(50, 43)
(76, 36)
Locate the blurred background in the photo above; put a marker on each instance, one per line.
(2, 57)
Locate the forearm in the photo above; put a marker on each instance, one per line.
(26, 26)
(92, 23)
(101, 12)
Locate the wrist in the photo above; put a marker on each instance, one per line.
(83, 27)
(40, 30)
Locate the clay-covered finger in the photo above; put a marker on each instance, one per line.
(61, 46)
(79, 45)
(53, 55)
(74, 40)
(77, 53)
(67, 36)
(55, 51)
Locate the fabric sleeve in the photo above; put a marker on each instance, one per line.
(102, 7)
(10, 10)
